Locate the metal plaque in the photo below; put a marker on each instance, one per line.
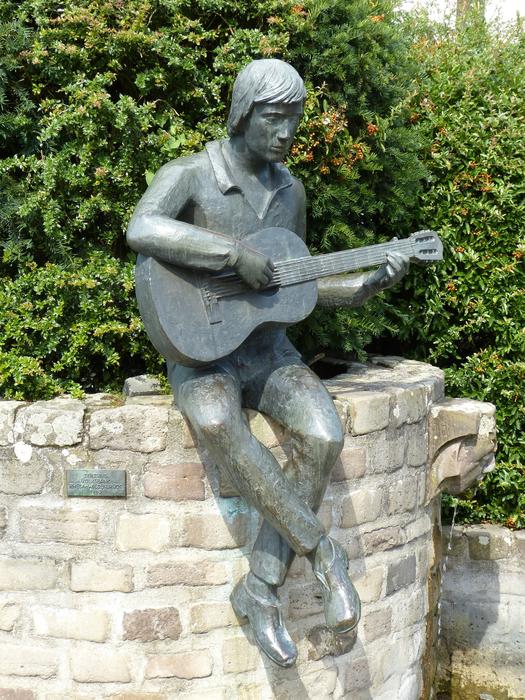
(97, 483)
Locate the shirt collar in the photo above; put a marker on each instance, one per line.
(226, 179)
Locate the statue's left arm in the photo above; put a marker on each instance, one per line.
(355, 289)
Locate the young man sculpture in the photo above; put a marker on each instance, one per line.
(196, 213)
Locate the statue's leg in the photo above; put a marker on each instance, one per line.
(211, 400)
(295, 397)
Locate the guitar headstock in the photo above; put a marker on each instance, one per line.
(426, 247)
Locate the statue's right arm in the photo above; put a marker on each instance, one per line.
(155, 230)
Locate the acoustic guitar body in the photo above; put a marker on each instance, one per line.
(191, 325)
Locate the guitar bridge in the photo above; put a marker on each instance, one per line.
(211, 304)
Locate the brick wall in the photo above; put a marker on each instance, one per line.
(128, 598)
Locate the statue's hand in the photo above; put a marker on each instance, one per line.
(391, 272)
(256, 269)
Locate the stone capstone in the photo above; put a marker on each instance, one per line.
(8, 411)
(129, 427)
(58, 422)
(488, 542)
(142, 385)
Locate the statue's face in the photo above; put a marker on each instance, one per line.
(270, 130)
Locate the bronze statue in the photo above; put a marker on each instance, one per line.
(197, 215)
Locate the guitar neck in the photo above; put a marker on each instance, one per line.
(310, 268)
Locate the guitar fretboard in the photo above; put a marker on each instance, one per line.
(309, 268)
(288, 272)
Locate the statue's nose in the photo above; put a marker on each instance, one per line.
(285, 133)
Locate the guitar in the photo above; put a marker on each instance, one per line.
(194, 317)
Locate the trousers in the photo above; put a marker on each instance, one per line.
(266, 373)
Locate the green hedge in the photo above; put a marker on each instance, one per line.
(468, 316)
(95, 95)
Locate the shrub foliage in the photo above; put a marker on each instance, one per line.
(96, 94)
(468, 316)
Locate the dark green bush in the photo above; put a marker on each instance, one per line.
(96, 94)
(468, 315)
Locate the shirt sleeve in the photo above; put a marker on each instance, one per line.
(155, 230)
(349, 290)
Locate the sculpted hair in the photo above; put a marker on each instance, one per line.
(266, 80)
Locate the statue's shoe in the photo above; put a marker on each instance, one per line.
(266, 620)
(342, 607)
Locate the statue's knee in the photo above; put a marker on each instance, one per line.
(212, 423)
(328, 439)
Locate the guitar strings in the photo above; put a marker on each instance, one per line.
(289, 272)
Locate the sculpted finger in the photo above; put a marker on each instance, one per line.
(391, 273)
(392, 268)
(265, 278)
(403, 259)
(395, 260)
(268, 270)
(403, 264)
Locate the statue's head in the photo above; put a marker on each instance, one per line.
(265, 81)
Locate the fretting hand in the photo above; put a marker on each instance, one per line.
(390, 273)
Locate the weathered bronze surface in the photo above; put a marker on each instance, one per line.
(96, 483)
(200, 213)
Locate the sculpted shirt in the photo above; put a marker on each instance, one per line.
(196, 209)
(192, 201)
(182, 217)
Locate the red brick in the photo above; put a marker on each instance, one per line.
(151, 624)
(351, 464)
(179, 482)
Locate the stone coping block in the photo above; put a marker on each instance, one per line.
(58, 422)
(483, 542)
